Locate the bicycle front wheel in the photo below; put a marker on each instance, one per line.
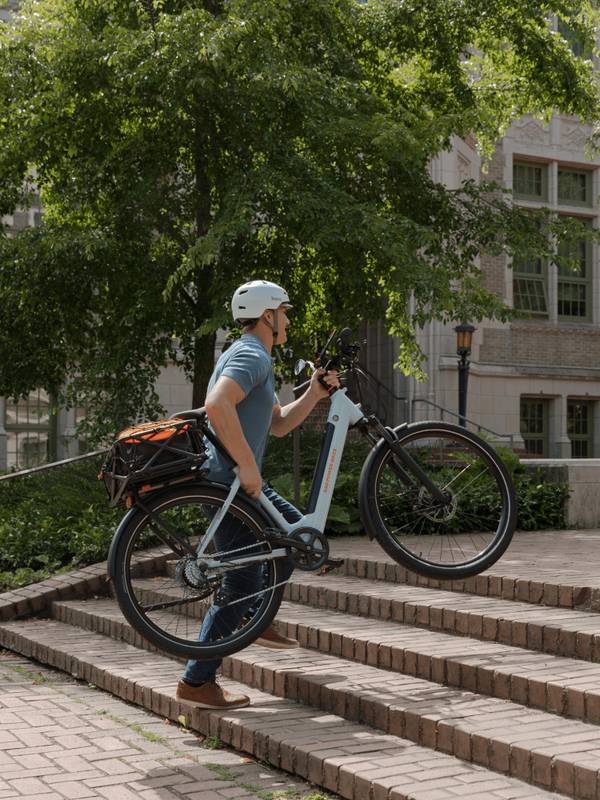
(202, 608)
(458, 537)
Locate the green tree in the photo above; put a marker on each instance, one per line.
(183, 146)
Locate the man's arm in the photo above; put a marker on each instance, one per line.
(220, 408)
(293, 414)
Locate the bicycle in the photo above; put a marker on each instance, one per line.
(436, 497)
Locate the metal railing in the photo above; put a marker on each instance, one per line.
(498, 436)
(374, 380)
(51, 465)
(510, 437)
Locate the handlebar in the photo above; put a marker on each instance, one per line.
(345, 357)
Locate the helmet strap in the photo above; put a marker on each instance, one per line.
(274, 327)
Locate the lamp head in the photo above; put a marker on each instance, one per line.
(464, 338)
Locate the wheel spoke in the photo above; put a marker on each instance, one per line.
(176, 599)
(467, 525)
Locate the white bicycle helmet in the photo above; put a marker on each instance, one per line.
(251, 299)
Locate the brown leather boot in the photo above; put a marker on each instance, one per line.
(210, 695)
(274, 640)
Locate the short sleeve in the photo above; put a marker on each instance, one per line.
(247, 368)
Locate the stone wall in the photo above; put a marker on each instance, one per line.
(583, 477)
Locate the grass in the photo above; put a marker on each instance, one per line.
(33, 676)
(225, 774)
(213, 743)
(139, 729)
(221, 771)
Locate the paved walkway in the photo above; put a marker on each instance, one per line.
(62, 738)
(560, 557)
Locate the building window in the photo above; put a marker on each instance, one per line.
(534, 426)
(579, 428)
(530, 286)
(530, 181)
(575, 187)
(30, 429)
(574, 280)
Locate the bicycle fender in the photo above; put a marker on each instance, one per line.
(112, 551)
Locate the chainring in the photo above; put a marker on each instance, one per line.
(314, 555)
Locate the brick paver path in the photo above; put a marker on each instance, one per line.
(62, 738)
(561, 557)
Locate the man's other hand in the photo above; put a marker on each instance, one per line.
(250, 480)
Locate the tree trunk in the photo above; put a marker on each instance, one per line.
(204, 346)
(204, 361)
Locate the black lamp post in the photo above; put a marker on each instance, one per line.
(464, 338)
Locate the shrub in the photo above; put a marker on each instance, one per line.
(53, 520)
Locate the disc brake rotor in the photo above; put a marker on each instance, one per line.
(433, 510)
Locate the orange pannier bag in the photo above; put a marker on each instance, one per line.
(151, 453)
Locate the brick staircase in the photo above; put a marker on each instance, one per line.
(486, 688)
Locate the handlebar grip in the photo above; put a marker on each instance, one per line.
(330, 389)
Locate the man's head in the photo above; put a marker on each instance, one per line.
(261, 306)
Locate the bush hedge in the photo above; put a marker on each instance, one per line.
(52, 521)
(59, 519)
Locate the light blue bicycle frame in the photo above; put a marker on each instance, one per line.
(343, 413)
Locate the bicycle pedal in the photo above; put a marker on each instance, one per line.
(331, 563)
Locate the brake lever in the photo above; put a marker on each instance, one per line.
(321, 356)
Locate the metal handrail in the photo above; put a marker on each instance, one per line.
(509, 436)
(53, 464)
(380, 385)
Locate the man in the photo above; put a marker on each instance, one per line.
(242, 409)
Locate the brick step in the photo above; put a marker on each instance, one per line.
(495, 733)
(559, 588)
(552, 683)
(565, 632)
(349, 758)
(557, 684)
(547, 567)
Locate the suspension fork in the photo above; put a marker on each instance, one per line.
(404, 465)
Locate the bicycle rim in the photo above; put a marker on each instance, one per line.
(476, 516)
(174, 599)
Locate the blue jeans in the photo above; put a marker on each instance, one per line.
(222, 620)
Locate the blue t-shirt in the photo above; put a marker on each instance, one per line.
(249, 364)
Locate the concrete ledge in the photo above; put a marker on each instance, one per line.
(583, 477)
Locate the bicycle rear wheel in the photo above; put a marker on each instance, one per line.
(169, 596)
(459, 537)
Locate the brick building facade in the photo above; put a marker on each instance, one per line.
(537, 377)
